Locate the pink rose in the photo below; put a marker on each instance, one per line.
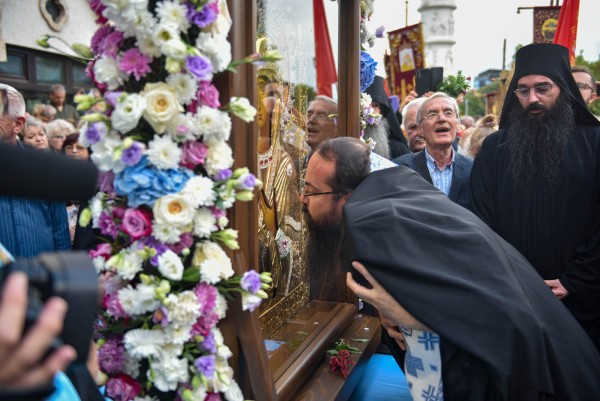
(208, 95)
(137, 223)
(122, 388)
(103, 250)
(193, 153)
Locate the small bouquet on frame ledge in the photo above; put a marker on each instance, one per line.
(455, 85)
(166, 185)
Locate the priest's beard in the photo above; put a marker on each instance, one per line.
(322, 259)
(536, 143)
(379, 134)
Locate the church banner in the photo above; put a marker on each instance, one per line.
(545, 21)
(407, 55)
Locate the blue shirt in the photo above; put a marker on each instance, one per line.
(441, 178)
(31, 226)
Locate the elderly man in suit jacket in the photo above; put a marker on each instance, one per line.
(438, 163)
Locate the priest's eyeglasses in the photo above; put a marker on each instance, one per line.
(434, 115)
(584, 87)
(541, 90)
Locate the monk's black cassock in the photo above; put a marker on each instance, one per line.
(505, 336)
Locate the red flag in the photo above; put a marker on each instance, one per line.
(326, 74)
(566, 32)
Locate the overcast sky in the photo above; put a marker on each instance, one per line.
(479, 30)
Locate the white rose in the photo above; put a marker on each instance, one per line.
(162, 105)
(128, 112)
(170, 265)
(175, 210)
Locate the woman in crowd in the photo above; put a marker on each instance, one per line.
(34, 134)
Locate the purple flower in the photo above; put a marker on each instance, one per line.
(161, 316)
(95, 132)
(107, 225)
(208, 343)
(380, 31)
(206, 295)
(133, 154)
(246, 182)
(206, 365)
(136, 63)
(159, 247)
(122, 388)
(105, 182)
(186, 240)
(97, 43)
(193, 153)
(208, 95)
(204, 17)
(111, 356)
(112, 97)
(200, 67)
(204, 324)
(223, 175)
(213, 397)
(367, 70)
(251, 281)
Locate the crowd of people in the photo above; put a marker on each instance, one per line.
(480, 235)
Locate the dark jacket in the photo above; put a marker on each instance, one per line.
(460, 188)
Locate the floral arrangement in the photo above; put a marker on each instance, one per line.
(454, 85)
(367, 117)
(340, 357)
(160, 142)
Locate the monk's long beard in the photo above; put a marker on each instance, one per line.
(379, 133)
(322, 259)
(536, 143)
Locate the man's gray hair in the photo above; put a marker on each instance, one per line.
(436, 95)
(16, 103)
(325, 99)
(57, 88)
(413, 103)
(59, 127)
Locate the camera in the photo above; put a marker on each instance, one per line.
(70, 276)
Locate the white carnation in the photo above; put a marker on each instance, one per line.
(204, 223)
(217, 48)
(139, 300)
(170, 265)
(127, 113)
(219, 156)
(183, 308)
(167, 233)
(167, 373)
(99, 264)
(174, 14)
(141, 343)
(185, 86)
(174, 209)
(107, 71)
(132, 264)
(233, 393)
(163, 152)
(220, 306)
(213, 123)
(124, 13)
(199, 190)
(213, 262)
(96, 209)
(132, 366)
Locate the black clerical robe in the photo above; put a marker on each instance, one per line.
(555, 226)
(504, 335)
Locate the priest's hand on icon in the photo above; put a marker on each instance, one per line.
(377, 296)
(557, 288)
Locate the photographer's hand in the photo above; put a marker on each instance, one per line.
(22, 360)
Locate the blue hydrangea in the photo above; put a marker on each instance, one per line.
(367, 70)
(143, 183)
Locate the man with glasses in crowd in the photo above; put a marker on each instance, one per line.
(536, 181)
(438, 163)
(585, 82)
